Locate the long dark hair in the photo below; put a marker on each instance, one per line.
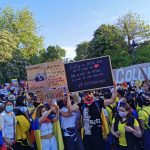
(19, 101)
(8, 102)
(127, 108)
(39, 110)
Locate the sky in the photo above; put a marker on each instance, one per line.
(69, 22)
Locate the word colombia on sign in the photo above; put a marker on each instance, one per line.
(89, 74)
(131, 73)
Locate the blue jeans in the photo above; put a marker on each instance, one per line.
(146, 137)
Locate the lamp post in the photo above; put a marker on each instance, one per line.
(134, 47)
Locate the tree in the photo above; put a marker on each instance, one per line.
(21, 23)
(52, 53)
(82, 50)
(106, 38)
(8, 43)
(19, 43)
(132, 27)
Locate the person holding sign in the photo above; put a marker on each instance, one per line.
(48, 139)
(72, 139)
(94, 121)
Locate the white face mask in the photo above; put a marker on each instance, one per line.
(122, 114)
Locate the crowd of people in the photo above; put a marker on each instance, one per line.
(115, 118)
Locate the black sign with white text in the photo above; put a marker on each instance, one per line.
(89, 74)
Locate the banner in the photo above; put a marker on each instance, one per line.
(131, 73)
(46, 75)
(89, 74)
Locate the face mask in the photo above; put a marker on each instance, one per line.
(9, 108)
(122, 114)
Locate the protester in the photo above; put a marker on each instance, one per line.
(90, 114)
(72, 138)
(46, 127)
(125, 128)
(9, 123)
(92, 120)
(20, 104)
(144, 116)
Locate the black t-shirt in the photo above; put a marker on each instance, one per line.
(91, 117)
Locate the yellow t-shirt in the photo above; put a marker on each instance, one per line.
(121, 130)
(144, 116)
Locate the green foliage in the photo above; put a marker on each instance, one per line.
(52, 53)
(8, 43)
(21, 23)
(114, 40)
(82, 50)
(106, 38)
(132, 26)
(19, 42)
(143, 54)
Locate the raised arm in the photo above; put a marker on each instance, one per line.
(45, 115)
(65, 114)
(110, 101)
(71, 108)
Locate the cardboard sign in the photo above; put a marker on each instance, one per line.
(41, 96)
(132, 73)
(37, 80)
(56, 74)
(89, 74)
(14, 81)
(46, 75)
(55, 94)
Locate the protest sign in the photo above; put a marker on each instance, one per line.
(132, 73)
(14, 81)
(46, 75)
(55, 94)
(89, 74)
(37, 79)
(55, 72)
(41, 96)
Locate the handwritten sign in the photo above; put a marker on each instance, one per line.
(46, 75)
(41, 96)
(55, 72)
(89, 74)
(55, 94)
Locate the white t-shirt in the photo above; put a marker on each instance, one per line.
(8, 125)
(68, 122)
(46, 128)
